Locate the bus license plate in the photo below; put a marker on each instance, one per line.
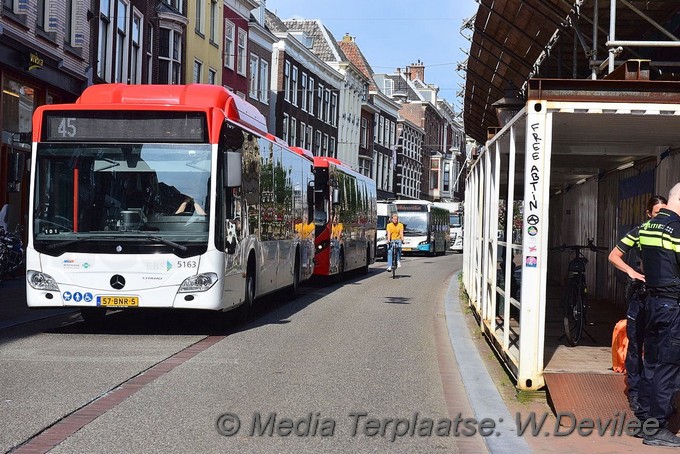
(406, 249)
(119, 301)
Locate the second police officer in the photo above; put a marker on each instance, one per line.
(660, 250)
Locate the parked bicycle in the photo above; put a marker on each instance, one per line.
(575, 300)
(11, 252)
(394, 250)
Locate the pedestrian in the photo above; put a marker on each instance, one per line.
(660, 250)
(625, 257)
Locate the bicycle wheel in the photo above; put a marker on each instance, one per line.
(573, 314)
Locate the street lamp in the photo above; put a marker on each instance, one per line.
(509, 105)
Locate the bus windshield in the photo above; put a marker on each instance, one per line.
(115, 191)
(456, 220)
(415, 223)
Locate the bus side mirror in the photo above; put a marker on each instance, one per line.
(336, 196)
(232, 169)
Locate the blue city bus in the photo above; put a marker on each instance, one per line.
(426, 227)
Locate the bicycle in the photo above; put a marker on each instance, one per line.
(575, 300)
(395, 247)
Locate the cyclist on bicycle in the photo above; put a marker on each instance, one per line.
(629, 246)
(395, 237)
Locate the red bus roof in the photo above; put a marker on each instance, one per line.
(192, 96)
(306, 153)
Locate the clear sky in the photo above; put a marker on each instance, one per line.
(395, 33)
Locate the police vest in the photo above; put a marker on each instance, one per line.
(660, 249)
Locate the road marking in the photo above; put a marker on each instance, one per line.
(73, 422)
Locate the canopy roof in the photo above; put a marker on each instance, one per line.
(515, 40)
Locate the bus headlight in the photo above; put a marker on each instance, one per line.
(382, 239)
(41, 281)
(199, 283)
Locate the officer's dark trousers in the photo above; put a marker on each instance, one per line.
(635, 330)
(662, 358)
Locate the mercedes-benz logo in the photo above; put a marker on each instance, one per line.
(117, 281)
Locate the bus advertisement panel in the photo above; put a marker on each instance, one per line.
(163, 196)
(345, 218)
(426, 227)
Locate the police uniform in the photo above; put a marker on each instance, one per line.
(629, 245)
(660, 250)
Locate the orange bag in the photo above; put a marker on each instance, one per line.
(619, 346)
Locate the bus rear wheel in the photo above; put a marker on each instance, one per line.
(242, 312)
(295, 286)
(364, 269)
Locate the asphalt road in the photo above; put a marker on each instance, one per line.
(325, 372)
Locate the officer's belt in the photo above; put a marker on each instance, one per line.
(664, 293)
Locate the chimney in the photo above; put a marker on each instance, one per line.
(347, 38)
(416, 71)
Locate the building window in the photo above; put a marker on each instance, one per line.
(388, 87)
(264, 81)
(327, 105)
(198, 70)
(293, 131)
(303, 91)
(199, 18)
(286, 81)
(333, 152)
(284, 127)
(303, 135)
(212, 75)
(317, 143)
(324, 145)
(254, 76)
(447, 176)
(149, 54)
(294, 86)
(308, 137)
(177, 4)
(121, 41)
(363, 137)
(242, 52)
(392, 134)
(213, 21)
(169, 56)
(103, 55)
(229, 31)
(70, 24)
(320, 103)
(334, 109)
(310, 99)
(136, 56)
(43, 14)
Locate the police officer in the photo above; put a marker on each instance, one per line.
(625, 257)
(660, 250)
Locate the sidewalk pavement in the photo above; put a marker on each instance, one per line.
(492, 394)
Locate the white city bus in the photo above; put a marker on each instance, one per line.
(163, 196)
(426, 226)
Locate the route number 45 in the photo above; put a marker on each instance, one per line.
(67, 127)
